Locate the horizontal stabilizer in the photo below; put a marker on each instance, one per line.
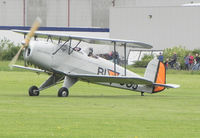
(167, 85)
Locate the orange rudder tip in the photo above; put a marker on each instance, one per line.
(160, 78)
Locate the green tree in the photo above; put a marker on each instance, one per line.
(144, 62)
(8, 50)
(180, 51)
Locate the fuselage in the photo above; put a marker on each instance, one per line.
(65, 60)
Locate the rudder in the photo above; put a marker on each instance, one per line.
(156, 72)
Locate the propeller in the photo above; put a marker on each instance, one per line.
(26, 41)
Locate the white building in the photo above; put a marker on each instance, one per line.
(162, 23)
(55, 13)
(162, 27)
(70, 13)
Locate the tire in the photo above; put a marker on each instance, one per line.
(34, 91)
(63, 92)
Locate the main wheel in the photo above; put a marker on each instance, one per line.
(33, 91)
(63, 92)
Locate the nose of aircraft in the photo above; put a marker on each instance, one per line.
(39, 53)
(27, 51)
(23, 42)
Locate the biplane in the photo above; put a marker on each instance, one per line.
(65, 62)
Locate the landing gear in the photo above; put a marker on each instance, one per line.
(63, 92)
(34, 91)
(142, 93)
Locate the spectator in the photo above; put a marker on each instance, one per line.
(166, 63)
(197, 59)
(191, 61)
(160, 57)
(197, 63)
(173, 60)
(187, 59)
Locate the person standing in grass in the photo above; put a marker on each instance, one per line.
(160, 57)
(166, 63)
(187, 60)
(191, 61)
(197, 59)
(196, 62)
(173, 60)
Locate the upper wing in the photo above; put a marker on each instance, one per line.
(111, 79)
(93, 40)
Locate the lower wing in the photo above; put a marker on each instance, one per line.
(108, 79)
(111, 79)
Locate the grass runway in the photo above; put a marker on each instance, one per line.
(98, 111)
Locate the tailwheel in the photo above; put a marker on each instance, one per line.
(34, 91)
(63, 92)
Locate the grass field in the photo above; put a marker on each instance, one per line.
(98, 111)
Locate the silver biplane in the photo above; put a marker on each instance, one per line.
(67, 63)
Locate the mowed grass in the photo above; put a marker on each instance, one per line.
(98, 111)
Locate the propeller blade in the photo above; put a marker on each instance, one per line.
(13, 61)
(34, 27)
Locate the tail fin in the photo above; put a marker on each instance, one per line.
(156, 72)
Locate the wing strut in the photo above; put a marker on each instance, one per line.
(115, 58)
(125, 59)
(72, 49)
(60, 47)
